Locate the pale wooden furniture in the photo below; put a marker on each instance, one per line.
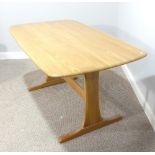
(65, 49)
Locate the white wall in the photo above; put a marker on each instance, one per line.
(136, 24)
(101, 15)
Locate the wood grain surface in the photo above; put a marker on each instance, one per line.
(67, 47)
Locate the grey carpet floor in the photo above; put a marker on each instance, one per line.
(32, 121)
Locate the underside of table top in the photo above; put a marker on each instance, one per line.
(66, 48)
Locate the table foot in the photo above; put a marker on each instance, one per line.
(49, 81)
(87, 129)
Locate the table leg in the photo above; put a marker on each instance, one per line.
(92, 117)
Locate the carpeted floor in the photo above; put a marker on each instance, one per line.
(32, 121)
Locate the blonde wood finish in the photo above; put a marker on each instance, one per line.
(92, 118)
(92, 110)
(67, 47)
(74, 85)
(48, 82)
(83, 130)
(63, 49)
